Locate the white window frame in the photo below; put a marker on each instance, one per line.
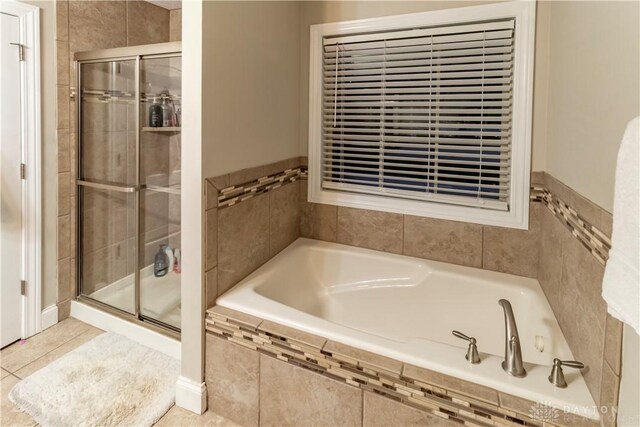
(518, 214)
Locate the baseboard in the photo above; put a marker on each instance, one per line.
(109, 322)
(191, 395)
(49, 317)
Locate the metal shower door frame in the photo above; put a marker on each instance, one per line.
(137, 53)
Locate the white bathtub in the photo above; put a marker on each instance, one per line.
(405, 308)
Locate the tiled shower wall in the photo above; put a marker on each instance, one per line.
(565, 248)
(81, 26)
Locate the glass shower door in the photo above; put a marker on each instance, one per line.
(107, 185)
(160, 169)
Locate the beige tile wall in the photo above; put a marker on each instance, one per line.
(492, 248)
(263, 373)
(242, 237)
(571, 278)
(569, 274)
(80, 26)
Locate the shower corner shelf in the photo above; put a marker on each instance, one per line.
(161, 129)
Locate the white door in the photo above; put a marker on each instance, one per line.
(11, 234)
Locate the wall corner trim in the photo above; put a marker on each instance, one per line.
(49, 317)
(191, 395)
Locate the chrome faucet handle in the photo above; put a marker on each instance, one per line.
(472, 352)
(557, 376)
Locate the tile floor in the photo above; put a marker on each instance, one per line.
(19, 360)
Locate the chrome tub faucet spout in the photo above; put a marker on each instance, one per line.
(512, 363)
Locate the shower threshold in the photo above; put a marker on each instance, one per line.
(159, 296)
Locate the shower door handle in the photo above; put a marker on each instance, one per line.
(110, 187)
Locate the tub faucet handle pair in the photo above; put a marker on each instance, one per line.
(557, 376)
(472, 351)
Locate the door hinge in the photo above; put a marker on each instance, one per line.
(23, 171)
(23, 287)
(20, 51)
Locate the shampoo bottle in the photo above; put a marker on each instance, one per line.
(160, 263)
(171, 259)
(155, 114)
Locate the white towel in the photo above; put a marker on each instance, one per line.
(621, 284)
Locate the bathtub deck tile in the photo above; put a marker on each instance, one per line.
(362, 357)
(237, 317)
(461, 386)
(292, 335)
(381, 411)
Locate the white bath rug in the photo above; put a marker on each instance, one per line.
(107, 381)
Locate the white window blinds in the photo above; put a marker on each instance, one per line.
(421, 114)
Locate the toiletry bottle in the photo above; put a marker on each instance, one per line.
(160, 263)
(170, 257)
(166, 111)
(155, 114)
(177, 267)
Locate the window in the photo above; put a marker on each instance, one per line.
(425, 114)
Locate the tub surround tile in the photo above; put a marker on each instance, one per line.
(211, 194)
(211, 286)
(550, 264)
(585, 311)
(220, 182)
(383, 412)
(235, 194)
(211, 245)
(245, 176)
(63, 150)
(243, 236)
(609, 391)
(376, 230)
(291, 334)
(232, 376)
(606, 222)
(361, 357)
(318, 221)
(282, 165)
(243, 319)
(524, 406)
(284, 217)
(460, 386)
(537, 178)
(431, 395)
(448, 241)
(293, 396)
(613, 344)
(513, 251)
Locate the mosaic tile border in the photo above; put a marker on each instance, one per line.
(592, 238)
(435, 400)
(234, 194)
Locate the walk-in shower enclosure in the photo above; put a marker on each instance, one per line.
(128, 181)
